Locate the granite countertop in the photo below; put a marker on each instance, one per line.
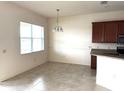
(106, 52)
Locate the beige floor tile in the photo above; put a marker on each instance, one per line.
(54, 76)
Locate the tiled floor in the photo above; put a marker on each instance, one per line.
(54, 76)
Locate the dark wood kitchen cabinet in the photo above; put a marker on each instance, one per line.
(110, 32)
(98, 32)
(105, 32)
(93, 62)
(121, 28)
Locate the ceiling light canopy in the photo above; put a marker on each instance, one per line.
(104, 3)
(57, 28)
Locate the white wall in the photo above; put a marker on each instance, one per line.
(11, 61)
(74, 44)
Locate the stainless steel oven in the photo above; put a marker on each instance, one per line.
(120, 50)
(120, 47)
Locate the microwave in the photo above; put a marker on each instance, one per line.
(121, 39)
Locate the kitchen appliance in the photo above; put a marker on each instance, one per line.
(120, 49)
(121, 39)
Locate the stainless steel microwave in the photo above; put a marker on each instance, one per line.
(121, 39)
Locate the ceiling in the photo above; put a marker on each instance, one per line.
(69, 8)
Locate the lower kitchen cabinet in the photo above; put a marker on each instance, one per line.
(93, 62)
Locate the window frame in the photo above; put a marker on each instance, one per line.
(42, 38)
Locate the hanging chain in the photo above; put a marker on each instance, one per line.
(57, 17)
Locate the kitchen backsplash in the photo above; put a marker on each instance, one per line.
(104, 46)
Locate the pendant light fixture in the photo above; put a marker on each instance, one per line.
(57, 28)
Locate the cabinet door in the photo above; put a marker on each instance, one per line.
(110, 32)
(93, 62)
(121, 28)
(98, 32)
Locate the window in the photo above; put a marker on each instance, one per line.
(31, 38)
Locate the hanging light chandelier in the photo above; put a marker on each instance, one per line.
(57, 28)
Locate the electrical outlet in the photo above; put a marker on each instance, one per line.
(97, 47)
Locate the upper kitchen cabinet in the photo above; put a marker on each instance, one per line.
(98, 32)
(110, 32)
(105, 32)
(121, 28)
